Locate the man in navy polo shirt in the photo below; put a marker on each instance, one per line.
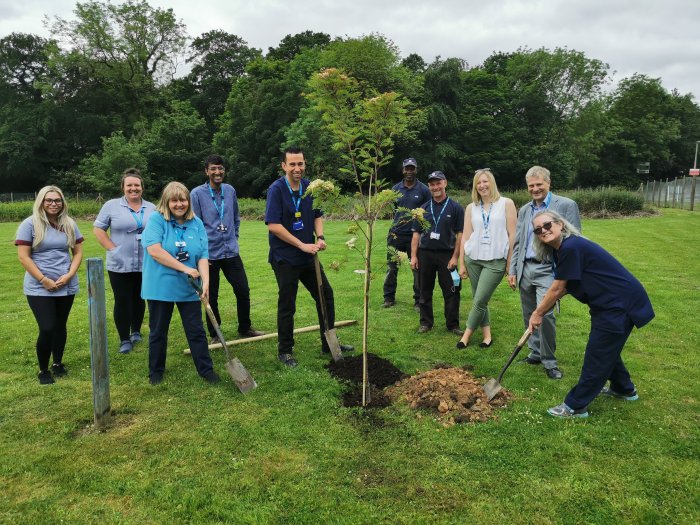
(436, 252)
(413, 195)
(216, 204)
(296, 236)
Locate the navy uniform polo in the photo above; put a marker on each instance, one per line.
(280, 210)
(411, 198)
(450, 223)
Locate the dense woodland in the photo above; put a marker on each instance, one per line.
(101, 95)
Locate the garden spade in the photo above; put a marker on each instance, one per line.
(493, 386)
(244, 381)
(328, 333)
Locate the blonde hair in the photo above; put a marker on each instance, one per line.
(174, 190)
(40, 220)
(495, 195)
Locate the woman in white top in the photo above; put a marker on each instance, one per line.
(489, 230)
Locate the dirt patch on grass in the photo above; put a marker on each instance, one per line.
(454, 395)
(116, 422)
(380, 371)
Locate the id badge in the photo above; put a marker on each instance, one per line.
(298, 225)
(486, 240)
(435, 235)
(222, 228)
(182, 256)
(138, 237)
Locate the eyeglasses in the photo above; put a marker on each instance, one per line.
(216, 168)
(546, 226)
(57, 202)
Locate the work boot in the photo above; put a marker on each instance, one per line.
(388, 303)
(287, 360)
(59, 370)
(45, 378)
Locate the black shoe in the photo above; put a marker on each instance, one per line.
(251, 332)
(456, 331)
(343, 348)
(462, 345)
(486, 345)
(388, 303)
(59, 370)
(288, 360)
(45, 378)
(530, 361)
(423, 329)
(554, 373)
(212, 377)
(156, 379)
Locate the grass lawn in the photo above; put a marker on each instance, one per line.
(288, 452)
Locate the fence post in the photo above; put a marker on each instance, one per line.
(666, 194)
(692, 193)
(675, 190)
(98, 342)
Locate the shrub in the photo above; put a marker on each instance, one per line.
(607, 201)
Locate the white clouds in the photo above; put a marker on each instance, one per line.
(656, 38)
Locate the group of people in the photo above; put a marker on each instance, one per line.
(154, 251)
(541, 251)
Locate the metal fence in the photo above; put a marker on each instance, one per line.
(30, 196)
(676, 193)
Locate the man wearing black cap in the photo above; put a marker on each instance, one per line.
(413, 195)
(436, 252)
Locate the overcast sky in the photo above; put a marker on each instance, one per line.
(659, 38)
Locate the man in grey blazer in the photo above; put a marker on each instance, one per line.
(532, 277)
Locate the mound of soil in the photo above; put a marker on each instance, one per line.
(453, 394)
(381, 373)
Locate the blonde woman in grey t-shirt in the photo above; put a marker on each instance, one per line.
(44, 243)
(489, 233)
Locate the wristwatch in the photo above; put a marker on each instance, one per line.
(321, 237)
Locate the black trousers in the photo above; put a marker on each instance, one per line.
(602, 362)
(129, 308)
(433, 263)
(288, 278)
(234, 272)
(51, 314)
(159, 315)
(402, 244)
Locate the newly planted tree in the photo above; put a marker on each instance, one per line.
(363, 128)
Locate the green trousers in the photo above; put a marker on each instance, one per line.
(484, 277)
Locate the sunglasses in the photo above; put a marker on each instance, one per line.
(482, 169)
(53, 201)
(547, 226)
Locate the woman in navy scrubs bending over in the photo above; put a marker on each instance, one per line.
(617, 301)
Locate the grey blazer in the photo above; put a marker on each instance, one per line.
(566, 207)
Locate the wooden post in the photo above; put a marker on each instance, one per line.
(675, 191)
(666, 194)
(98, 341)
(683, 194)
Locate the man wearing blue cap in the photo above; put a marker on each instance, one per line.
(413, 195)
(436, 252)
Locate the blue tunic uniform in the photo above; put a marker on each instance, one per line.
(617, 302)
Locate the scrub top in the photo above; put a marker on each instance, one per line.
(596, 278)
(159, 282)
(51, 256)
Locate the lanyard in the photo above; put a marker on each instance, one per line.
(221, 211)
(296, 201)
(486, 218)
(138, 218)
(437, 221)
(179, 231)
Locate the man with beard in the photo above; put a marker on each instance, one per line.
(216, 204)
